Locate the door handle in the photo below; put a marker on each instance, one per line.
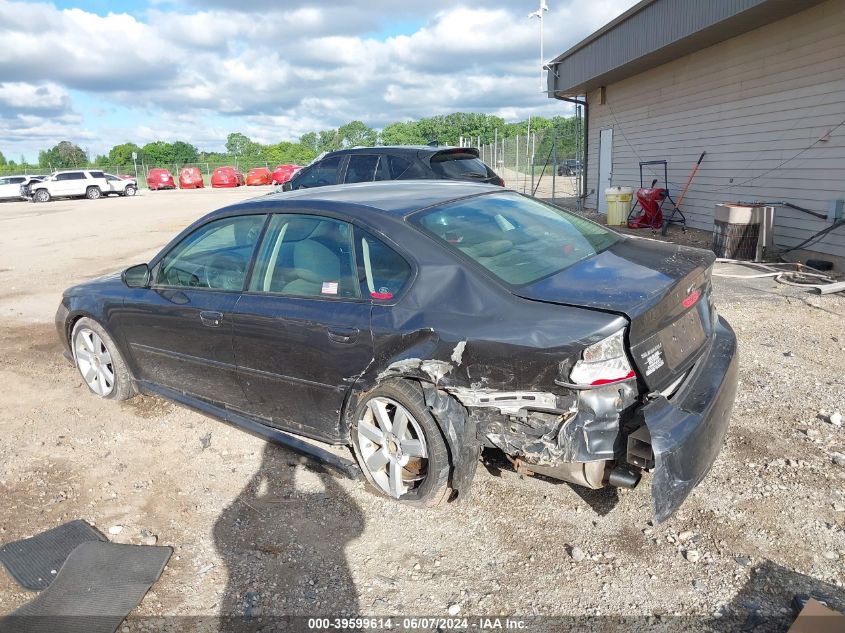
(343, 335)
(210, 318)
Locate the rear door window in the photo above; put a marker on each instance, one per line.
(460, 165)
(398, 167)
(321, 174)
(361, 168)
(97, 174)
(306, 256)
(382, 272)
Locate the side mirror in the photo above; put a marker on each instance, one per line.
(286, 186)
(137, 276)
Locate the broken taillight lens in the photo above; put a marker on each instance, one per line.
(603, 362)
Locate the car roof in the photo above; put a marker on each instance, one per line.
(392, 197)
(397, 149)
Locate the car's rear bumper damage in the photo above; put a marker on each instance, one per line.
(686, 431)
(608, 435)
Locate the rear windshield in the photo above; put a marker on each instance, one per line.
(459, 165)
(518, 239)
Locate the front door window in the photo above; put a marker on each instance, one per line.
(215, 256)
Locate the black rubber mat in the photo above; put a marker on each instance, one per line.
(34, 562)
(96, 588)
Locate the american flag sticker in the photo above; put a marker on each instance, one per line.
(329, 288)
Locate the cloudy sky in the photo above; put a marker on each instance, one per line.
(101, 72)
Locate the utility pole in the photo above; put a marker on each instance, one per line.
(539, 15)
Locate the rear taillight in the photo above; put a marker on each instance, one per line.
(603, 363)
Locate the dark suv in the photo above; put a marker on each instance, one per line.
(569, 167)
(407, 162)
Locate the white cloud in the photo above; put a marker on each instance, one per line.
(283, 71)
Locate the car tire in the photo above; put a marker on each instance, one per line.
(93, 193)
(99, 361)
(412, 467)
(42, 195)
(129, 191)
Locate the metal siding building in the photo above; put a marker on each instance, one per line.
(754, 83)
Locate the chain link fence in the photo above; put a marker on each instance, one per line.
(141, 169)
(547, 164)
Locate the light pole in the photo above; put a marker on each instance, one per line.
(539, 15)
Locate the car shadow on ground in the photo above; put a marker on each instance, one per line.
(765, 603)
(283, 543)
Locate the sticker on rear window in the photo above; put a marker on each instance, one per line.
(329, 288)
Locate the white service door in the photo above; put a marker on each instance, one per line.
(605, 166)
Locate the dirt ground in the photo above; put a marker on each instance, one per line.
(257, 532)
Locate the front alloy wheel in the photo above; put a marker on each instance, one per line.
(99, 361)
(129, 191)
(94, 362)
(42, 195)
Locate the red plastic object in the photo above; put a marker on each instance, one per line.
(283, 173)
(160, 179)
(258, 176)
(190, 178)
(650, 200)
(381, 295)
(226, 177)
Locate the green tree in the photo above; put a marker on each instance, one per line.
(158, 153)
(328, 141)
(286, 152)
(65, 154)
(184, 152)
(122, 154)
(2, 159)
(212, 157)
(401, 133)
(240, 145)
(356, 134)
(311, 141)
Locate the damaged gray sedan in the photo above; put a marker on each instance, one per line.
(418, 322)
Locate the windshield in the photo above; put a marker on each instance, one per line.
(518, 239)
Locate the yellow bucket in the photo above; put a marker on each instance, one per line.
(618, 204)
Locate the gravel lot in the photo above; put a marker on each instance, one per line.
(258, 532)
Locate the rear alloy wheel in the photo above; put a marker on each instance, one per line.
(42, 195)
(400, 447)
(129, 191)
(99, 362)
(92, 193)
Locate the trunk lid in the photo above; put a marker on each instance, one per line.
(663, 289)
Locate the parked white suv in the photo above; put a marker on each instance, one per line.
(76, 183)
(11, 186)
